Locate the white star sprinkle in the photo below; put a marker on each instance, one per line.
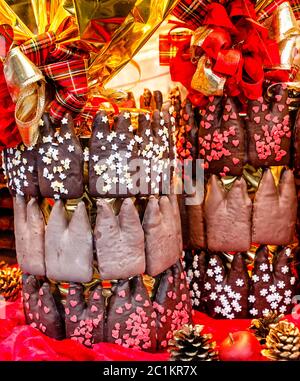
(126, 115)
(64, 121)
(95, 158)
(71, 148)
(67, 136)
(104, 119)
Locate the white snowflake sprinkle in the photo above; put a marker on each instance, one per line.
(285, 269)
(253, 312)
(239, 282)
(251, 298)
(266, 278)
(263, 267)
(213, 261)
(255, 278)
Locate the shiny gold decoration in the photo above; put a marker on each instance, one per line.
(10, 282)
(26, 85)
(284, 23)
(282, 342)
(205, 81)
(261, 326)
(190, 344)
(149, 283)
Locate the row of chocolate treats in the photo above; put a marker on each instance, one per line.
(63, 250)
(232, 293)
(229, 220)
(117, 151)
(227, 137)
(124, 314)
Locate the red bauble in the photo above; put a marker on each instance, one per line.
(240, 346)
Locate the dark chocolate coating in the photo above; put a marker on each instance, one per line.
(30, 236)
(221, 138)
(161, 236)
(268, 130)
(226, 295)
(296, 161)
(112, 151)
(119, 241)
(271, 290)
(196, 276)
(153, 147)
(60, 160)
(40, 309)
(172, 304)
(131, 317)
(85, 321)
(275, 210)
(20, 166)
(69, 245)
(228, 216)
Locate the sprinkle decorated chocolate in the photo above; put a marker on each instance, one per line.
(20, 168)
(273, 285)
(195, 277)
(221, 138)
(225, 295)
(268, 129)
(172, 304)
(41, 310)
(60, 160)
(85, 320)
(131, 317)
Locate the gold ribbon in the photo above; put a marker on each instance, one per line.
(26, 85)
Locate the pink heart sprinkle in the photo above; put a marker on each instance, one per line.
(163, 319)
(46, 309)
(228, 108)
(202, 151)
(211, 98)
(280, 107)
(153, 323)
(235, 142)
(33, 325)
(138, 298)
(226, 169)
(94, 308)
(235, 160)
(119, 310)
(146, 304)
(122, 294)
(278, 97)
(256, 119)
(170, 294)
(210, 117)
(39, 303)
(256, 137)
(73, 303)
(222, 174)
(27, 305)
(170, 279)
(264, 107)
(88, 343)
(115, 334)
(30, 316)
(43, 328)
(288, 134)
(128, 306)
(37, 316)
(73, 318)
(208, 158)
(207, 125)
(286, 128)
(88, 335)
(26, 295)
(41, 292)
(226, 117)
(268, 117)
(67, 311)
(96, 322)
(183, 297)
(260, 99)
(268, 139)
(72, 292)
(119, 342)
(96, 296)
(212, 108)
(233, 116)
(255, 109)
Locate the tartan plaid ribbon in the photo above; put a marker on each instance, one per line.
(66, 68)
(192, 12)
(267, 11)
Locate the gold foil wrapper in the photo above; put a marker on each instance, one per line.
(205, 80)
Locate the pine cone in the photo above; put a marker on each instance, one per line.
(10, 282)
(261, 327)
(189, 344)
(282, 342)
